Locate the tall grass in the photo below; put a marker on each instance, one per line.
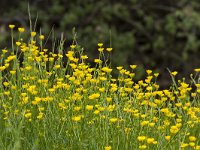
(50, 104)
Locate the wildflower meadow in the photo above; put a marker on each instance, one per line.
(47, 103)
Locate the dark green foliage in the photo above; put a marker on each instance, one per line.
(157, 34)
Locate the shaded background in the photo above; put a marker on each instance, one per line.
(153, 34)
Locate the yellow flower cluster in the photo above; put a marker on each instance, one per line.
(72, 105)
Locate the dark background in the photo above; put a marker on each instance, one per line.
(154, 34)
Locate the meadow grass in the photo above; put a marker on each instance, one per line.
(47, 103)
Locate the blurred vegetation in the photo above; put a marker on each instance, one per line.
(152, 33)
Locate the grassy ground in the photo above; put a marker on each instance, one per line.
(46, 104)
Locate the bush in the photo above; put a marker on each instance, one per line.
(153, 34)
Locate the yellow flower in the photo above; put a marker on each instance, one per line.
(141, 138)
(28, 68)
(100, 44)
(41, 108)
(133, 66)
(192, 144)
(127, 130)
(197, 147)
(40, 116)
(13, 87)
(4, 51)
(183, 145)
(56, 66)
(12, 72)
(6, 84)
(142, 147)
(101, 108)
(155, 142)
(33, 34)
(192, 138)
(167, 137)
(16, 111)
(178, 104)
(6, 93)
(77, 108)
(108, 99)
(149, 72)
(106, 69)
(102, 89)
(152, 124)
(94, 96)
(174, 129)
(178, 120)
(119, 68)
(62, 106)
(197, 70)
(51, 90)
(51, 59)
(109, 49)
(89, 107)
(143, 123)
(18, 43)
(41, 37)
(113, 120)
(7, 65)
(174, 73)
(156, 74)
(84, 56)
(76, 118)
(11, 26)
(98, 61)
(11, 57)
(73, 46)
(73, 65)
(100, 49)
(107, 148)
(28, 115)
(21, 30)
(150, 140)
(96, 112)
